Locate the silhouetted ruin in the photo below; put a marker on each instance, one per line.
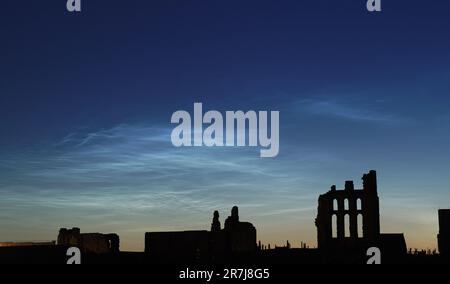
(203, 246)
(348, 224)
(240, 236)
(444, 232)
(349, 220)
(89, 243)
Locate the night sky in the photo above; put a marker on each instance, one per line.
(86, 101)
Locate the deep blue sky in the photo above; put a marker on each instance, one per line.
(86, 100)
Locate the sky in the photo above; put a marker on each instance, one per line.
(86, 101)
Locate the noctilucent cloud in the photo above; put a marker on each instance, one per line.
(86, 101)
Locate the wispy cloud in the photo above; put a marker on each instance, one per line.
(121, 179)
(350, 110)
(141, 161)
(130, 179)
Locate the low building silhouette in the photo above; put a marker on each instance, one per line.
(89, 243)
(349, 220)
(217, 245)
(444, 232)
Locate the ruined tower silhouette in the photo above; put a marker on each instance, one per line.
(335, 205)
(349, 219)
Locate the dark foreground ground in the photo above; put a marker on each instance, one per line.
(57, 255)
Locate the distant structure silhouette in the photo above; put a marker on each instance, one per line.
(444, 232)
(338, 215)
(202, 246)
(89, 243)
